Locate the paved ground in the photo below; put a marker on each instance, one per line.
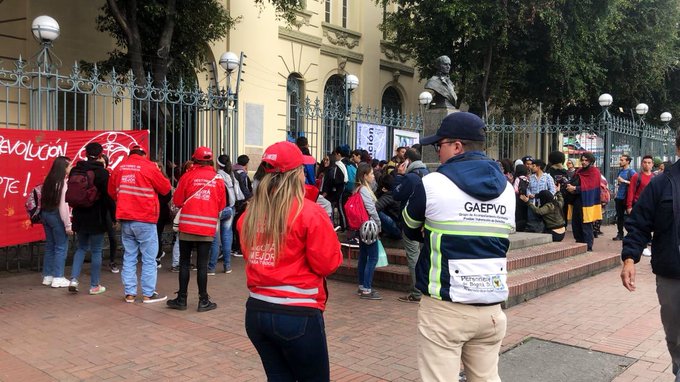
(47, 334)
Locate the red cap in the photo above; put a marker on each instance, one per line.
(202, 153)
(285, 156)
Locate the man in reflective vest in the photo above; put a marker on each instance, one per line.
(463, 213)
(135, 185)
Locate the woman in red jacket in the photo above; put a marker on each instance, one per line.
(290, 248)
(201, 196)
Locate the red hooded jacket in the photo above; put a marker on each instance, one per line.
(200, 213)
(135, 185)
(310, 253)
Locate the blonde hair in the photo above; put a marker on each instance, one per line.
(266, 220)
(362, 170)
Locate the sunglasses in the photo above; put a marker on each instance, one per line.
(438, 145)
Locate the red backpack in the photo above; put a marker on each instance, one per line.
(81, 191)
(605, 196)
(355, 211)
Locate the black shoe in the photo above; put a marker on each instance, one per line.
(180, 303)
(204, 304)
(617, 237)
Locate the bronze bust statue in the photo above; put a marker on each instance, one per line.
(440, 84)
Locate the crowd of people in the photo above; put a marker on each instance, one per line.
(453, 223)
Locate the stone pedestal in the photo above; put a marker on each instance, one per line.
(432, 118)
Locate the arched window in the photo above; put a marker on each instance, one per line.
(335, 124)
(295, 97)
(391, 101)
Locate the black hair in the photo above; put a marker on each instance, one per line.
(106, 160)
(648, 157)
(93, 150)
(242, 160)
(521, 170)
(590, 157)
(556, 157)
(413, 155)
(627, 157)
(387, 181)
(301, 142)
(506, 165)
(539, 163)
(54, 183)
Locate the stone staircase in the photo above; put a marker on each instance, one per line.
(536, 266)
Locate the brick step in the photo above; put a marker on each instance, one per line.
(529, 282)
(517, 258)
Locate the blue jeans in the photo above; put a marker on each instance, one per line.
(225, 236)
(94, 243)
(139, 237)
(368, 258)
(389, 226)
(56, 244)
(292, 348)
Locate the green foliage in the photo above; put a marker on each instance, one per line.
(561, 54)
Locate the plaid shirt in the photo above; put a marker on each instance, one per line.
(537, 185)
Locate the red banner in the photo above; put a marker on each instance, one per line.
(25, 159)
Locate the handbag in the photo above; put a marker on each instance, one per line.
(175, 221)
(382, 256)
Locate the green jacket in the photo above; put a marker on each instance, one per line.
(552, 216)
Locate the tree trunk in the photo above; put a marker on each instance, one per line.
(487, 73)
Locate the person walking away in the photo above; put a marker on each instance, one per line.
(656, 216)
(89, 217)
(585, 209)
(56, 221)
(461, 272)
(290, 248)
(243, 194)
(550, 211)
(225, 234)
(409, 174)
(368, 251)
(134, 185)
(201, 194)
(622, 184)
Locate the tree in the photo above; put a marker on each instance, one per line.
(515, 55)
(168, 38)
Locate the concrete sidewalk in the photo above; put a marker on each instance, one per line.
(48, 334)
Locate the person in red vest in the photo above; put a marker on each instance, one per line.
(201, 195)
(638, 182)
(290, 248)
(135, 185)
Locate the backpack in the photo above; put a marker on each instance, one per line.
(32, 205)
(81, 191)
(605, 196)
(351, 177)
(523, 186)
(355, 211)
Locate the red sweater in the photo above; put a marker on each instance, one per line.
(310, 253)
(634, 191)
(200, 214)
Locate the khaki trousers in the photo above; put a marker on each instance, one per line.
(450, 332)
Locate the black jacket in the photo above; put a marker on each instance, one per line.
(333, 183)
(657, 212)
(93, 219)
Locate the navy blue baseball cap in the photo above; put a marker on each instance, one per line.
(459, 125)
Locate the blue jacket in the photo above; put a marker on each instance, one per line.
(467, 209)
(657, 212)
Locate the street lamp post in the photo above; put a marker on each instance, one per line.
(351, 83)
(641, 109)
(230, 62)
(665, 118)
(45, 30)
(605, 100)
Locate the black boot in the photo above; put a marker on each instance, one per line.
(180, 303)
(204, 304)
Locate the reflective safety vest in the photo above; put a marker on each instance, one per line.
(466, 240)
(202, 196)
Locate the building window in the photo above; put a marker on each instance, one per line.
(327, 11)
(391, 101)
(294, 90)
(344, 13)
(335, 123)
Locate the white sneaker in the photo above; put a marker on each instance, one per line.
(60, 282)
(47, 280)
(646, 252)
(73, 286)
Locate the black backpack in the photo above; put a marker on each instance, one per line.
(81, 191)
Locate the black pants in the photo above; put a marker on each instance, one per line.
(341, 208)
(236, 241)
(159, 231)
(113, 245)
(620, 215)
(583, 232)
(203, 255)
